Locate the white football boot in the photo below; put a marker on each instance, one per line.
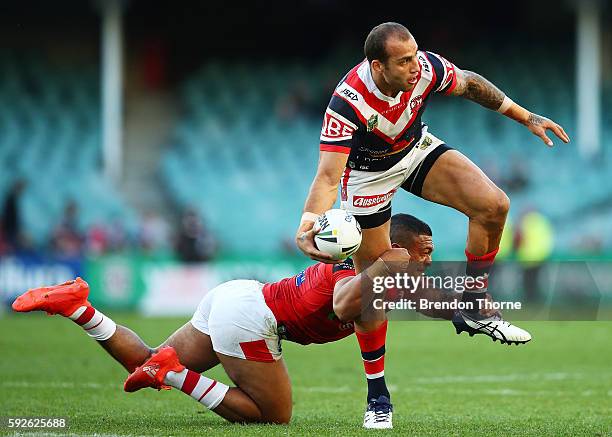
(379, 414)
(495, 327)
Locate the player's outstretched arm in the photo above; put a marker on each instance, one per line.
(322, 195)
(476, 88)
(353, 296)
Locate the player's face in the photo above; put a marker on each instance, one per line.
(420, 251)
(420, 248)
(401, 71)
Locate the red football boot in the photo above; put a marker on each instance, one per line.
(62, 299)
(154, 370)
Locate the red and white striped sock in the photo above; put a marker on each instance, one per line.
(96, 324)
(372, 345)
(206, 391)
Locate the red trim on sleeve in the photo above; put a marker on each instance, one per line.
(434, 75)
(453, 84)
(338, 149)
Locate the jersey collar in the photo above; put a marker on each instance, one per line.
(365, 74)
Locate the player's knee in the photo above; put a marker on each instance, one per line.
(278, 411)
(495, 209)
(282, 416)
(501, 206)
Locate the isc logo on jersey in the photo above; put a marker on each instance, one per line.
(336, 127)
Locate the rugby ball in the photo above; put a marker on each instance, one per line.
(337, 233)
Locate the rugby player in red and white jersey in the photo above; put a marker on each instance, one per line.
(240, 324)
(374, 142)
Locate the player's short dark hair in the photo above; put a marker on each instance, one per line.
(403, 223)
(375, 43)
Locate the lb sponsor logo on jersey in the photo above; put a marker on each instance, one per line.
(368, 201)
(336, 127)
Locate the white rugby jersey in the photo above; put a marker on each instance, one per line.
(375, 130)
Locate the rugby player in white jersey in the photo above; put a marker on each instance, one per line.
(374, 142)
(240, 324)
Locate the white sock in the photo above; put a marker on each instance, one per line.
(206, 391)
(96, 324)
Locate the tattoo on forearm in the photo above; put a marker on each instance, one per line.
(480, 90)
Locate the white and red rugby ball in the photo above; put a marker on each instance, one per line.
(338, 233)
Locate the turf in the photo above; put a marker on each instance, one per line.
(441, 383)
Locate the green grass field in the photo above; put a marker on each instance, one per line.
(441, 383)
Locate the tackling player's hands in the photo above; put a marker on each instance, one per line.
(397, 259)
(538, 126)
(305, 242)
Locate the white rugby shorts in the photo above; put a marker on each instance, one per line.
(240, 324)
(368, 194)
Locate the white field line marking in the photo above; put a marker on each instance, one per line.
(422, 384)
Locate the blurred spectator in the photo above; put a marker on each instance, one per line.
(591, 244)
(3, 245)
(97, 239)
(491, 169)
(154, 233)
(298, 102)
(534, 242)
(518, 178)
(12, 233)
(68, 241)
(117, 236)
(154, 62)
(194, 242)
(507, 241)
(514, 179)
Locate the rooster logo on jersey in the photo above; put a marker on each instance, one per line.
(372, 122)
(416, 103)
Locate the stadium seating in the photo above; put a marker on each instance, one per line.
(244, 150)
(49, 119)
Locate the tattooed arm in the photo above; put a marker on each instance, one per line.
(476, 88)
